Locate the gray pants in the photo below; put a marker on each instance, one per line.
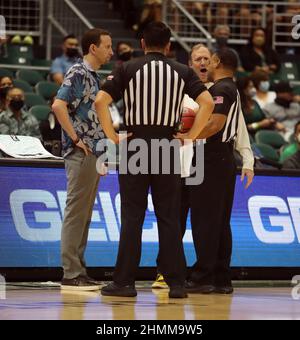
(83, 180)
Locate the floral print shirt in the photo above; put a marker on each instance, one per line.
(79, 90)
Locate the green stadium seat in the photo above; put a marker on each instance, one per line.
(3, 59)
(17, 60)
(288, 72)
(267, 151)
(32, 77)
(41, 112)
(22, 84)
(23, 51)
(271, 138)
(46, 89)
(6, 73)
(287, 151)
(32, 99)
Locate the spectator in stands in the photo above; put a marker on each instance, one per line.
(5, 84)
(222, 34)
(124, 52)
(130, 12)
(258, 55)
(261, 81)
(152, 11)
(199, 10)
(293, 162)
(254, 116)
(284, 109)
(3, 40)
(240, 16)
(15, 120)
(70, 55)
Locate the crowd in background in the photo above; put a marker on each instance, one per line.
(266, 105)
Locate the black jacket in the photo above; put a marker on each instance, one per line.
(250, 59)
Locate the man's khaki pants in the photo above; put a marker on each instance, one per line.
(82, 185)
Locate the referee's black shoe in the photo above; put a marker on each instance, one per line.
(194, 287)
(223, 290)
(177, 292)
(113, 289)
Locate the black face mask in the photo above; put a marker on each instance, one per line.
(72, 52)
(283, 102)
(222, 41)
(125, 56)
(16, 104)
(3, 91)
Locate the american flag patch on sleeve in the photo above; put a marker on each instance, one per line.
(218, 100)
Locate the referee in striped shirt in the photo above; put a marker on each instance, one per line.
(153, 88)
(211, 202)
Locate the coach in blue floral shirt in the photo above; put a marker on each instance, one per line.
(79, 90)
(82, 133)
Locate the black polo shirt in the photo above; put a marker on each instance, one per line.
(227, 102)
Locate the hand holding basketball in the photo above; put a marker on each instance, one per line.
(187, 120)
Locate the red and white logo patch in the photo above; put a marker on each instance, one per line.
(219, 100)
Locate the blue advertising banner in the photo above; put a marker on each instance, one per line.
(265, 221)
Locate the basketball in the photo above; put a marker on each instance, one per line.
(187, 119)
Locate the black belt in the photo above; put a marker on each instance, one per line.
(151, 131)
(215, 145)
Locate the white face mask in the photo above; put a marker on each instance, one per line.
(264, 86)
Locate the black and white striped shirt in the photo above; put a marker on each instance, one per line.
(153, 88)
(227, 102)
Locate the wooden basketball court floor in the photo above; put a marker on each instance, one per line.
(43, 301)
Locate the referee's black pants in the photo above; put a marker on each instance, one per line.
(165, 189)
(184, 211)
(211, 205)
